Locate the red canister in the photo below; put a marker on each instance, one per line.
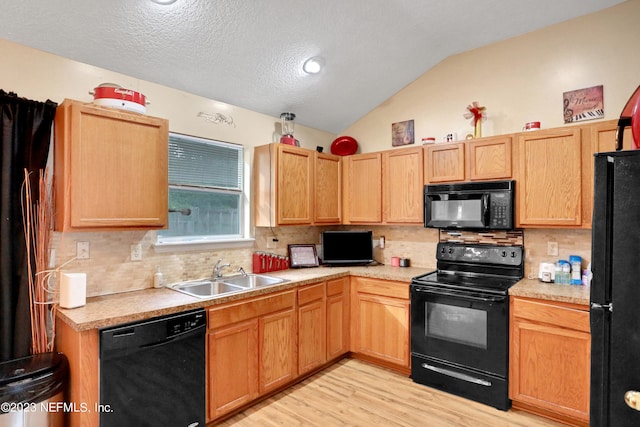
(257, 264)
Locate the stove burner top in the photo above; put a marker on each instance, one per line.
(490, 284)
(485, 268)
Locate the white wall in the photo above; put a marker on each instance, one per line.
(518, 80)
(39, 75)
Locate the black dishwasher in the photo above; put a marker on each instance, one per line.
(152, 373)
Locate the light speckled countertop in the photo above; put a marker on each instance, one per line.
(110, 310)
(533, 288)
(114, 309)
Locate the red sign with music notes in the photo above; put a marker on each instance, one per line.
(583, 104)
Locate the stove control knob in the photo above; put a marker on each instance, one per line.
(442, 250)
(450, 250)
(513, 254)
(504, 253)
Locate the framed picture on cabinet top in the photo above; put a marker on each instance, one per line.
(302, 256)
(583, 104)
(402, 133)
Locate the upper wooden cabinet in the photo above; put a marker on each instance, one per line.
(603, 136)
(295, 186)
(283, 178)
(402, 186)
(384, 187)
(550, 178)
(101, 151)
(444, 162)
(489, 158)
(474, 160)
(597, 138)
(362, 197)
(327, 206)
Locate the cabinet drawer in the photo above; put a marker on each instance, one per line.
(249, 309)
(310, 293)
(381, 287)
(336, 287)
(559, 315)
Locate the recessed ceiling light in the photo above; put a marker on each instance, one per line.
(313, 65)
(164, 1)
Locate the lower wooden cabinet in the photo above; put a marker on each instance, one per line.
(380, 321)
(323, 323)
(261, 344)
(312, 327)
(251, 350)
(549, 370)
(232, 367)
(337, 317)
(277, 340)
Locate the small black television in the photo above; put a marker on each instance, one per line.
(347, 247)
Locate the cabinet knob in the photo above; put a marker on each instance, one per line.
(632, 399)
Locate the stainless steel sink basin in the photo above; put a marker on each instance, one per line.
(252, 280)
(206, 288)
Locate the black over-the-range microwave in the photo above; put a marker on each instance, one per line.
(470, 205)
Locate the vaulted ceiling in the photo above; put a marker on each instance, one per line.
(250, 53)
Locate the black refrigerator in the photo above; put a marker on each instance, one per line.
(615, 291)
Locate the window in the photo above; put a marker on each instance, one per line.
(205, 191)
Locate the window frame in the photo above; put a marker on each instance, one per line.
(243, 239)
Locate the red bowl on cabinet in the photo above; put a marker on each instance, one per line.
(344, 146)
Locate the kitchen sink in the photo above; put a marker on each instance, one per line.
(252, 280)
(206, 288)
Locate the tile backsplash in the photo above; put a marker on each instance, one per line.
(110, 270)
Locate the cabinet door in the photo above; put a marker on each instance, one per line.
(603, 136)
(382, 328)
(100, 151)
(550, 358)
(312, 332)
(490, 158)
(277, 340)
(403, 185)
(363, 198)
(295, 185)
(597, 138)
(337, 317)
(327, 206)
(444, 162)
(232, 367)
(549, 187)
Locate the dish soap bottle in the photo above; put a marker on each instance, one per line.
(158, 279)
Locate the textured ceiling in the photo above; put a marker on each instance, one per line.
(250, 53)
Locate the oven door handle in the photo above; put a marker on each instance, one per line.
(439, 291)
(458, 375)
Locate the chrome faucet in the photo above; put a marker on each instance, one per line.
(217, 269)
(241, 271)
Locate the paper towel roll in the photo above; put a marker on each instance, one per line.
(73, 290)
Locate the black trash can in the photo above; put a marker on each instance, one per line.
(32, 391)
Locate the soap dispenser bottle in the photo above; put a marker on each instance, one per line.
(158, 279)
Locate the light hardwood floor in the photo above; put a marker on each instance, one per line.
(354, 393)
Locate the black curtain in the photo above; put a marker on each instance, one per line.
(25, 132)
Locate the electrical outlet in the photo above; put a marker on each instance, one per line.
(552, 248)
(136, 252)
(52, 258)
(272, 243)
(82, 250)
